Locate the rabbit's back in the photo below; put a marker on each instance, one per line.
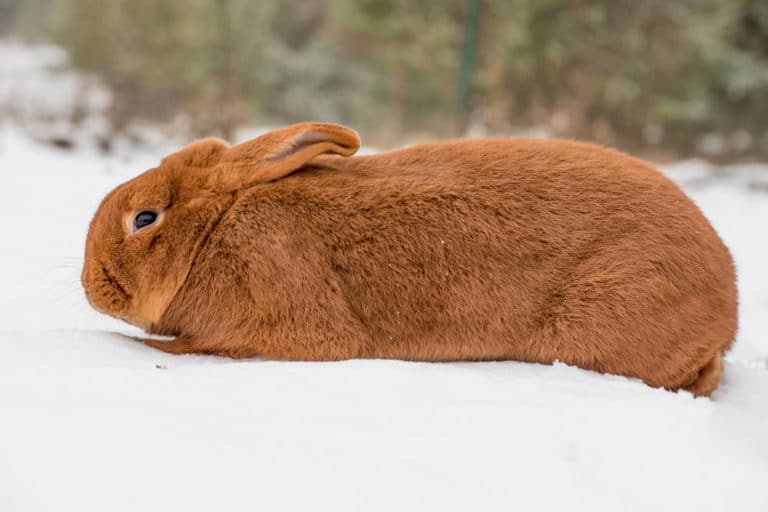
(515, 249)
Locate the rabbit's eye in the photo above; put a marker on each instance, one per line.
(143, 219)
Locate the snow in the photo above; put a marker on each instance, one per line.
(90, 419)
(49, 100)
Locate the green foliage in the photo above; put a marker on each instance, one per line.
(27, 18)
(623, 72)
(616, 70)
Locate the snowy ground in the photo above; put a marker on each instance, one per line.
(91, 420)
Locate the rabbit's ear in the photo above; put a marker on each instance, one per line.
(201, 153)
(277, 154)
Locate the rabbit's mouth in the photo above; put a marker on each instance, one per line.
(104, 291)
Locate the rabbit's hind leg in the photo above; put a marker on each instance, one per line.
(707, 378)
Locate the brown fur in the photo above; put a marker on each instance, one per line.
(532, 250)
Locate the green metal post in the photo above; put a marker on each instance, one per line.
(469, 49)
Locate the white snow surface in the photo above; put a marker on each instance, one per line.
(92, 420)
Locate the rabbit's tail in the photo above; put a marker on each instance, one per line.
(708, 377)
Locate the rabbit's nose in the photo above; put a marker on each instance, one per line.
(85, 276)
(86, 280)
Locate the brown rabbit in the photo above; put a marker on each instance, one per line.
(534, 250)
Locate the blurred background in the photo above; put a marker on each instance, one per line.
(666, 79)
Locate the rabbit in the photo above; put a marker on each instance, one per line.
(288, 247)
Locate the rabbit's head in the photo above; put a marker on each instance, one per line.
(145, 235)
